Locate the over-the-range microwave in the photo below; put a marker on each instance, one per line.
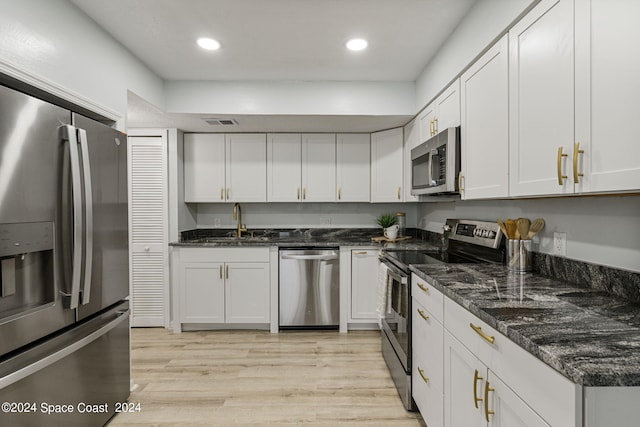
(435, 164)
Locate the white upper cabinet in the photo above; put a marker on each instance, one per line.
(284, 167)
(353, 167)
(607, 94)
(541, 94)
(442, 113)
(246, 167)
(319, 167)
(225, 168)
(411, 140)
(485, 125)
(204, 169)
(386, 166)
(301, 167)
(426, 119)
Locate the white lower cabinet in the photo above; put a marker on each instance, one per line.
(224, 285)
(477, 397)
(364, 284)
(427, 364)
(465, 373)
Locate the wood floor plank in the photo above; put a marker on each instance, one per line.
(254, 378)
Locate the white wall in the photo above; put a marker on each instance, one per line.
(303, 215)
(486, 20)
(54, 46)
(600, 230)
(292, 97)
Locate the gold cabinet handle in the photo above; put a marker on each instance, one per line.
(298, 193)
(435, 126)
(560, 176)
(424, 288)
(431, 127)
(221, 271)
(227, 271)
(360, 252)
(423, 314)
(460, 180)
(576, 152)
(487, 412)
(490, 339)
(476, 378)
(304, 193)
(424, 378)
(339, 193)
(228, 190)
(399, 191)
(221, 193)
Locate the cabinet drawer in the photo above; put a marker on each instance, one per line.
(226, 254)
(427, 347)
(429, 399)
(429, 297)
(551, 395)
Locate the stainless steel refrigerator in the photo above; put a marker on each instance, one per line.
(64, 313)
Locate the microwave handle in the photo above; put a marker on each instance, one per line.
(432, 165)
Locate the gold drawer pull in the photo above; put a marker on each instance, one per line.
(424, 378)
(221, 271)
(478, 330)
(487, 412)
(476, 378)
(424, 288)
(560, 175)
(359, 252)
(576, 152)
(423, 314)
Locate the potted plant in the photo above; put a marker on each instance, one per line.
(386, 220)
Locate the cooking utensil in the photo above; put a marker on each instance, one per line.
(523, 225)
(503, 228)
(536, 226)
(512, 229)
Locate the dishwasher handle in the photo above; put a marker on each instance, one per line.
(319, 257)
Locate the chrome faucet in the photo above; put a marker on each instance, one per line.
(237, 215)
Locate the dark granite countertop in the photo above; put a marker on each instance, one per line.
(320, 237)
(586, 334)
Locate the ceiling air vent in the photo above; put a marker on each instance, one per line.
(221, 122)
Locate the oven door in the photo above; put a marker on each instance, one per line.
(397, 324)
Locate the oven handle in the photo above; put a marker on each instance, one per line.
(395, 273)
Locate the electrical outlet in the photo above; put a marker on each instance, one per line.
(325, 220)
(560, 244)
(217, 222)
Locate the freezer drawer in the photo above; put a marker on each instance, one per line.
(309, 288)
(79, 375)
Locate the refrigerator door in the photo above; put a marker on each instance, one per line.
(73, 379)
(106, 220)
(31, 301)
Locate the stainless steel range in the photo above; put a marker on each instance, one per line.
(466, 241)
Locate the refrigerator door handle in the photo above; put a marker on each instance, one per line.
(88, 219)
(69, 134)
(49, 360)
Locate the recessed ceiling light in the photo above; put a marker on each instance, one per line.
(209, 44)
(357, 44)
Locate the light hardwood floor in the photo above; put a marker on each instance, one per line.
(232, 378)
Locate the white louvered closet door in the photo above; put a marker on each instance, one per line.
(148, 232)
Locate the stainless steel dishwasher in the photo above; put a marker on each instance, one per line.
(309, 288)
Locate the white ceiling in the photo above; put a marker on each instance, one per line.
(278, 39)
